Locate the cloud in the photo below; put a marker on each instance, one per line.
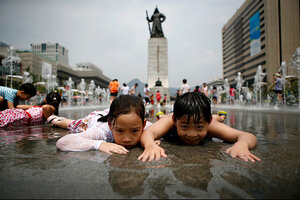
(113, 34)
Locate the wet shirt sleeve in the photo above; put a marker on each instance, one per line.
(90, 139)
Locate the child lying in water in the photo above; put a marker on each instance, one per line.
(115, 132)
(27, 114)
(190, 123)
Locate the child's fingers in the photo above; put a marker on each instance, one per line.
(144, 157)
(255, 157)
(163, 154)
(119, 151)
(151, 157)
(157, 156)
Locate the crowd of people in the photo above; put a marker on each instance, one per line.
(123, 125)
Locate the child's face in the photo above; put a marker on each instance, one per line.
(127, 130)
(223, 117)
(190, 132)
(24, 96)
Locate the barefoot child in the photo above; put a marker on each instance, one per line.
(221, 116)
(190, 123)
(115, 132)
(26, 114)
(79, 125)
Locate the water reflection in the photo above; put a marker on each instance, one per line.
(28, 155)
(127, 183)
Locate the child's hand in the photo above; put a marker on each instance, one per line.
(111, 148)
(242, 152)
(152, 152)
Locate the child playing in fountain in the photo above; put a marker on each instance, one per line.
(9, 97)
(190, 123)
(120, 129)
(221, 116)
(27, 114)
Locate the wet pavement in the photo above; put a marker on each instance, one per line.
(32, 167)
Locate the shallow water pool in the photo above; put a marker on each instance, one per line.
(31, 166)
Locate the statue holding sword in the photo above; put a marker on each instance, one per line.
(157, 18)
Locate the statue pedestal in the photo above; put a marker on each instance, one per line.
(158, 65)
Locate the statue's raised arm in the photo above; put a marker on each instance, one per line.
(157, 18)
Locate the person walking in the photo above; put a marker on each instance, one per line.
(184, 87)
(125, 89)
(133, 89)
(147, 94)
(278, 89)
(114, 88)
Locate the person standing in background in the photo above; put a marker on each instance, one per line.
(184, 87)
(147, 94)
(158, 97)
(114, 88)
(125, 89)
(278, 89)
(133, 89)
(232, 95)
(204, 89)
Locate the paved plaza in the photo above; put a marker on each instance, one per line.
(32, 167)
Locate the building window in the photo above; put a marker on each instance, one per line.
(44, 47)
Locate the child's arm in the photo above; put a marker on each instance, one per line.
(10, 105)
(23, 107)
(244, 141)
(48, 110)
(154, 131)
(91, 139)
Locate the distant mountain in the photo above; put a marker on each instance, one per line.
(141, 87)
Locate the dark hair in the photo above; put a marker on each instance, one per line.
(124, 104)
(28, 88)
(53, 99)
(193, 104)
(146, 85)
(124, 84)
(184, 80)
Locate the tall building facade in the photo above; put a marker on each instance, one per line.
(261, 32)
(53, 51)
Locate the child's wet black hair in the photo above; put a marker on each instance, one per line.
(193, 104)
(124, 104)
(53, 99)
(28, 88)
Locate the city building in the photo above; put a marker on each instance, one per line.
(217, 82)
(39, 64)
(33, 63)
(261, 32)
(86, 70)
(52, 51)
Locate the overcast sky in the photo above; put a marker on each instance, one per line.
(113, 34)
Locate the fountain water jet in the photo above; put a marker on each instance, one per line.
(11, 62)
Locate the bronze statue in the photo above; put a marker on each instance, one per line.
(157, 18)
